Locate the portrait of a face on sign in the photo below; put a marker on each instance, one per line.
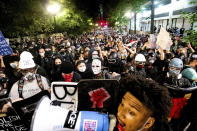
(99, 95)
(65, 94)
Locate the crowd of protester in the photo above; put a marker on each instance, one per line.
(105, 55)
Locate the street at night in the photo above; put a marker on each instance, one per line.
(98, 65)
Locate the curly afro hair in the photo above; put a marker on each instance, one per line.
(154, 96)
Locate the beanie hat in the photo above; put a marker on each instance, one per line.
(66, 67)
(26, 60)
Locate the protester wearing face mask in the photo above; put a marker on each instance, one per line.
(193, 61)
(138, 68)
(67, 73)
(154, 65)
(114, 63)
(3, 85)
(12, 70)
(40, 59)
(97, 69)
(82, 70)
(30, 84)
(182, 54)
(144, 106)
(99, 73)
(66, 54)
(174, 81)
(56, 68)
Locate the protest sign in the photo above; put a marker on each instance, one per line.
(152, 41)
(5, 49)
(163, 39)
(10, 121)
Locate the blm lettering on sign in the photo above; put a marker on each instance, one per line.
(10, 121)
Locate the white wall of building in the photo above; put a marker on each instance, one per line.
(144, 25)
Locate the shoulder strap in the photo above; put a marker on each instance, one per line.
(20, 87)
(39, 81)
(21, 84)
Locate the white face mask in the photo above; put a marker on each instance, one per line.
(13, 65)
(82, 69)
(96, 66)
(41, 54)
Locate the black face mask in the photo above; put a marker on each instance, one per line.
(58, 67)
(48, 53)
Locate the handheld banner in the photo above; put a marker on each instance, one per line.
(99, 95)
(5, 49)
(65, 94)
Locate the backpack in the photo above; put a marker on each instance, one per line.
(21, 84)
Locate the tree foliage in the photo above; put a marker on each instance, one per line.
(29, 18)
(116, 13)
(191, 34)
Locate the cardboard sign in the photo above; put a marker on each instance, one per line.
(65, 94)
(99, 95)
(5, 49)
(10, 121)
(152, 41)
(163, 39)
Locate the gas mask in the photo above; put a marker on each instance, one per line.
(174, 73)
(29, 77)
(96, 66)
(13, 65)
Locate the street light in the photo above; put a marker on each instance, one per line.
(129, 15)
(156, 2)
(54, 8)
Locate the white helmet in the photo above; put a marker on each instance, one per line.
(26, 55)
(140, 58)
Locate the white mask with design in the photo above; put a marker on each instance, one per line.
(96, 66)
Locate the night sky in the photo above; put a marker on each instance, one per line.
(91, 7)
